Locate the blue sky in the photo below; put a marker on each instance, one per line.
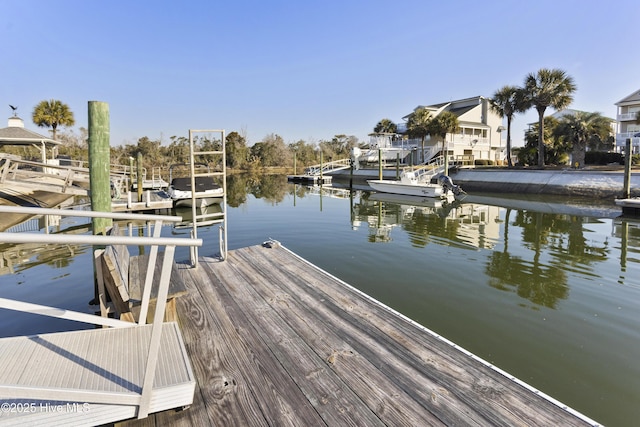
(303, 69)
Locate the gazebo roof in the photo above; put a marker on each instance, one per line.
(18, 135)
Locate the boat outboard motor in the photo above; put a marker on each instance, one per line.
(355, 157)
(448, 185)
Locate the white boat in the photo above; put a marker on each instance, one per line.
(416, 183)
(207, 192)
(385, 145)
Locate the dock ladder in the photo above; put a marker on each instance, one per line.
(203, 148)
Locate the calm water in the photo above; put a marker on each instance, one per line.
(546, 289)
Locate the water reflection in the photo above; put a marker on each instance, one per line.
(15, 258)
(552, 236)
(427, 220)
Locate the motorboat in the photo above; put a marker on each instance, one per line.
(206, 192)
(415, 183)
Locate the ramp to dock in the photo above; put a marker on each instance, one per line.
(89, 377)
(274, 340)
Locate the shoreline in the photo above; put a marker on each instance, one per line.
(605, 183)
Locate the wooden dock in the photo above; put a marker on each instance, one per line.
(310, 179)
(630, 206)
(151, 200)
(274, 340)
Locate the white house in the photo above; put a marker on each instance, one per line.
(628, 126)
(478, 136)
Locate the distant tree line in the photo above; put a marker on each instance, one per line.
(550, 141)
(270, 152)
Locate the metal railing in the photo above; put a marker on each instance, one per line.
(153, 239)
(426, 172)
(626, 116)
(328, 167)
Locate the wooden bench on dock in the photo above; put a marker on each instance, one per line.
(124, 278)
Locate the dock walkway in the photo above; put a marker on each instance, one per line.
(274, 340)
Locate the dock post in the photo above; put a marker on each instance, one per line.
(130, 174)
(351, 177)
(321, 167)
(99, 181)
(627, 169)
(99, 163)
(446, 161)
(379, 163)
(139, 173)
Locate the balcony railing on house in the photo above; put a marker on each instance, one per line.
(621, 138)
(626, 116)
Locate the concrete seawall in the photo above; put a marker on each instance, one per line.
(597, 184)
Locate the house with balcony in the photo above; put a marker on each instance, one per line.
(628, 125)
(479, 135)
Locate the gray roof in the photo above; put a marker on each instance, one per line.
(634, 97)
(15, 135)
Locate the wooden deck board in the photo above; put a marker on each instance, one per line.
(274, 340)
(312, 382)
(447, 389)
(250, 381)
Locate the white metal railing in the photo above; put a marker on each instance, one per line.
(428, 171)
(621, 138)
(153, 240)
(626, 116)
(328, 167)
(471, 140)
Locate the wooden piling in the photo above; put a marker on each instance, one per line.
(627, 169)
(139, 175)
(99, 163)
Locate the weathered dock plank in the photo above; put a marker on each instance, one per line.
(274, 340)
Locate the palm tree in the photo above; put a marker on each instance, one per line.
(506, 102)
(442, 124)
(418, 125)
(552, 88)
(580, 128)
(52, 114)
(385, 126)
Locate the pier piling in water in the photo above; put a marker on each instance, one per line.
(99, 163)
(139, 175)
